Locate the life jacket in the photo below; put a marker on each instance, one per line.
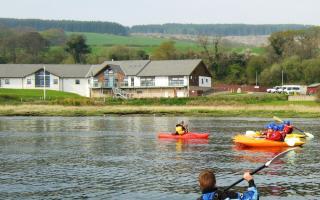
(288, 129)
(209, 196)
(276, 136)
(179, 129)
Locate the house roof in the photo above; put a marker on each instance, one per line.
(61, 70)
(129, 67)
(314, 85)
(170, 68)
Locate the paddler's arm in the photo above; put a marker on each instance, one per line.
(250, 194)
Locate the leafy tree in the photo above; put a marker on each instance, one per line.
(236, 74)
(55, 55)
(166, 51)
(126, 53)
(76, 46)
(33, 44)
(55, 36)
(255, 66)
(311, 70)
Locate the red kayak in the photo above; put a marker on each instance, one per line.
(188, 135)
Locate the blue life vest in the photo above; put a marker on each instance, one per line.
(208, 196)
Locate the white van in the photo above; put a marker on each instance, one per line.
(294, 89)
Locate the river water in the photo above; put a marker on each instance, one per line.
(120, 157)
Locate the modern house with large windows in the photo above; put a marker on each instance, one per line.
(135, 78)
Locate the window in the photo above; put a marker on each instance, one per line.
(207, 80)
(7, 81)
(28, 81)
(176, 81)
(125, 82)
(109, 78)
(55, 81)
(132, 82)
(202, 81)
(42, 78)
(77, 81)
(147, 81)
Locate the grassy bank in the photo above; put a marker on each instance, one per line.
(30, 103)
(248, 110)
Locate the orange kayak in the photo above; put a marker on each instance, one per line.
(261, 142)
(188, 135)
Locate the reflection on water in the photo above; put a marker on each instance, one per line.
(121, 158)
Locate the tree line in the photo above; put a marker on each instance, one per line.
(215, 29)
(170, 28)
(67, 25)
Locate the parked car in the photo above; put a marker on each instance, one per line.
(274, 89)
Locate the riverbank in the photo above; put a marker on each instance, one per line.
(290, 110)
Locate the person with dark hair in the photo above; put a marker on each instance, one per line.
(207, 183)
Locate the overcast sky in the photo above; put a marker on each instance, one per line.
(133, 12)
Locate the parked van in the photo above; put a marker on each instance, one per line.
(294, 89)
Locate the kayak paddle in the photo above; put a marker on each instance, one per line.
(262, 167)
(306, 133)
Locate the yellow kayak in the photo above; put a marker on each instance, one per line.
(262, 142)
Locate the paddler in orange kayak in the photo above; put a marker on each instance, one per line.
(181, 128)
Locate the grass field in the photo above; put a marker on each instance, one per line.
(102, 43)
(30, 95)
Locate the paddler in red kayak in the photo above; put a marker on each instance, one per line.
(181, 128)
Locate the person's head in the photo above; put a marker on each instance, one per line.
(207, 180)
(287, 123)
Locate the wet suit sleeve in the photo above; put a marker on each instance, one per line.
(250, 194)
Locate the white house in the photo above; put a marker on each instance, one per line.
(134, 78)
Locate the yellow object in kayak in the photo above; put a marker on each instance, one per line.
(179, 130)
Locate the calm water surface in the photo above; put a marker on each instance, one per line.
(121, 158)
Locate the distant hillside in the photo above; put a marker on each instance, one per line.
(216, 29)
(67, 25)
(171, 28)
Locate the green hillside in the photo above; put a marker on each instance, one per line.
(102, 42)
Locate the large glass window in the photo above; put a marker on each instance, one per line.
(176, 81)
(147, 81)
(126, 82)
(109, 80)
(41, 78)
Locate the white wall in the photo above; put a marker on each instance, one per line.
(161, 81)
(69, 85)
(204, 81)
(29, 86)
(52, 85)
(14, 83)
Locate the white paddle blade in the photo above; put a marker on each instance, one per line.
(309, 135)
(291, 141)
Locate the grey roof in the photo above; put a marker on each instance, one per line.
(61, 70)
(170, 68)
(129, 67)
